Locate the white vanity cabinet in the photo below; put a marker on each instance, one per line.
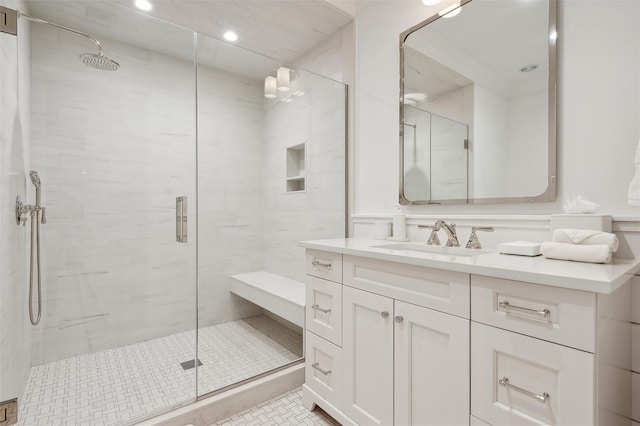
(398, 340)
(403, 361)
(403, 364)
(540, 355)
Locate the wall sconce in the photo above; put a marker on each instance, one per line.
(270, 87)
(284, 76)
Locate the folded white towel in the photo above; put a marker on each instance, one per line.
(594, 253)
(584, 236)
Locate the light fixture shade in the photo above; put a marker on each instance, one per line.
(270, 84)
(283, 79)
(143, 5)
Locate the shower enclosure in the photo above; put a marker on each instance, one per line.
(161, 179)
(436, 156)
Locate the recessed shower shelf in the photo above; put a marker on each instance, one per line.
(296, 173)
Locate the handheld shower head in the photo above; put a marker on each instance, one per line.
(35, 179)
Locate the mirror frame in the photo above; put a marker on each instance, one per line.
(549, 195)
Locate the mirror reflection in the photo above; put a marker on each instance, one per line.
(478, 105)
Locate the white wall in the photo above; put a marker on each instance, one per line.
(230, 222)
(488, 143)
(15, 328)
(524, 152)
(598, 119)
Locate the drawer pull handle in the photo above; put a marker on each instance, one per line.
(318, 308)
(540, 398)
(384, 314)
(399, 319)
(317, 264)
(316, 365)
(543, 313)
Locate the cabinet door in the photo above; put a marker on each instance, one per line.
(431, 367)
(367, 357)
(521, 380)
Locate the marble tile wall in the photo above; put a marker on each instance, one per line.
(113, 150)
(316, 119)
(15, 329)
(230, 223)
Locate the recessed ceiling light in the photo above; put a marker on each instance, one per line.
(230, 36)
(143, 5)
(529, 68)
(430, 2)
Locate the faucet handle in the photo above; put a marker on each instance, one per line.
(43, 218)
(433, 240)
(474, 242)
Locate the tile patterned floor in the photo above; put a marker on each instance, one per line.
(119, 385)
(285, 410)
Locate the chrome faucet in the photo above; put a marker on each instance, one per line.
(450, 230)
(433, 237)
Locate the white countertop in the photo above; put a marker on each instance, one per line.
(598, 278)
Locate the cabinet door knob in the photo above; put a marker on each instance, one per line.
(384, 314)
(399, 319)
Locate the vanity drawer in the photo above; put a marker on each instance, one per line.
(323, 368)
(510, 374)
(555, 314)
(324, 264)
(323, 312)
(441, 290)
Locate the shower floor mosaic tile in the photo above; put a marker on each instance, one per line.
(119, 385)
(285, 410)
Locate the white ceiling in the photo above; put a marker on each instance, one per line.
(488, 42)
(282, 30)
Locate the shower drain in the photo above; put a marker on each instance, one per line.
(190, 364)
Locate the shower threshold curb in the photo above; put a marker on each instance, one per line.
(220, 406)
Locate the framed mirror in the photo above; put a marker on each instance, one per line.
(478, 104)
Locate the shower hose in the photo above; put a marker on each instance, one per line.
(35, 226)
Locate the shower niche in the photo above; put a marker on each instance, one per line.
(296, 164)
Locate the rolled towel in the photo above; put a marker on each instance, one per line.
(592, 253)
(587, 237)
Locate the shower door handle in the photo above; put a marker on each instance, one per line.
(181, 219)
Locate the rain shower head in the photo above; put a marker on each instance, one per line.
(94, 60)
(99, 61)
(35, 178)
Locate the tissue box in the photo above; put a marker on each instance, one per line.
(595, 222)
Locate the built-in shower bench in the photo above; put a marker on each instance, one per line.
(280, 295)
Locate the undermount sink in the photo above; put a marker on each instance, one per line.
(454, 251)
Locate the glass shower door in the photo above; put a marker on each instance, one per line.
(271, 172)
(114, 151)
